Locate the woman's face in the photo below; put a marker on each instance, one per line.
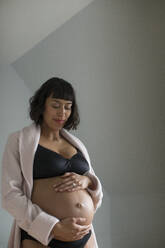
(56, 113)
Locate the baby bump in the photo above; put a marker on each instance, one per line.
(62, 204)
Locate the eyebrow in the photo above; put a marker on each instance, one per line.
(54, 100)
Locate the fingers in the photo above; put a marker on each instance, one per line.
(67, 182)
(79, 220)
(69, 187)
(75, 227)
(70, 182)
(81, 231)
(67, 174)
(80, 235)
(66, 178)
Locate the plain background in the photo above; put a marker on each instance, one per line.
(113, 54)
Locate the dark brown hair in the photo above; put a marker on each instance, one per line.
(58, 88)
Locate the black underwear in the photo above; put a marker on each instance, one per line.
(55, 243)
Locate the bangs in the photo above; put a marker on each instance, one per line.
(63, 92)
(62, 95)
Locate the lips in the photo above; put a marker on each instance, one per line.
(59, 121)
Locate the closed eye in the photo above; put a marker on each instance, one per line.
(55, 106)
(58, 106)
(68, 108)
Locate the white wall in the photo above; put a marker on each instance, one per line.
(14, 96)
(112, 52)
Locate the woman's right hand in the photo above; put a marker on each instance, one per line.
(70, 229)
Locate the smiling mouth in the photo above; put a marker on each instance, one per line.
(61, 121)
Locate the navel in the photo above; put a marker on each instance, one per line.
(79, 205)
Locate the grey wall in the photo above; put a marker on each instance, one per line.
(14, 96)
(102, 222)
(113, 53)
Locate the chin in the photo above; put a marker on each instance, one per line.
(57, 127)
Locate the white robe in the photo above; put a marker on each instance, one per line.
(17, 184)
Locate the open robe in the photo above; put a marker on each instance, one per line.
(17, 184)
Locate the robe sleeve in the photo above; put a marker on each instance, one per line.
(28, 216)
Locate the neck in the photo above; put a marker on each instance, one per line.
(49, 134)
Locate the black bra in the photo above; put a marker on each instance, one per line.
(48, 163)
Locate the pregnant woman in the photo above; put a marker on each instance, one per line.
(48, 184)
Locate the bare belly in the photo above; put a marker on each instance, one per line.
(62, 204)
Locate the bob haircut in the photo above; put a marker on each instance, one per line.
(58, 88)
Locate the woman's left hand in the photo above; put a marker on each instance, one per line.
(71, 181)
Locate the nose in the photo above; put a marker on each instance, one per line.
(61, 111)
